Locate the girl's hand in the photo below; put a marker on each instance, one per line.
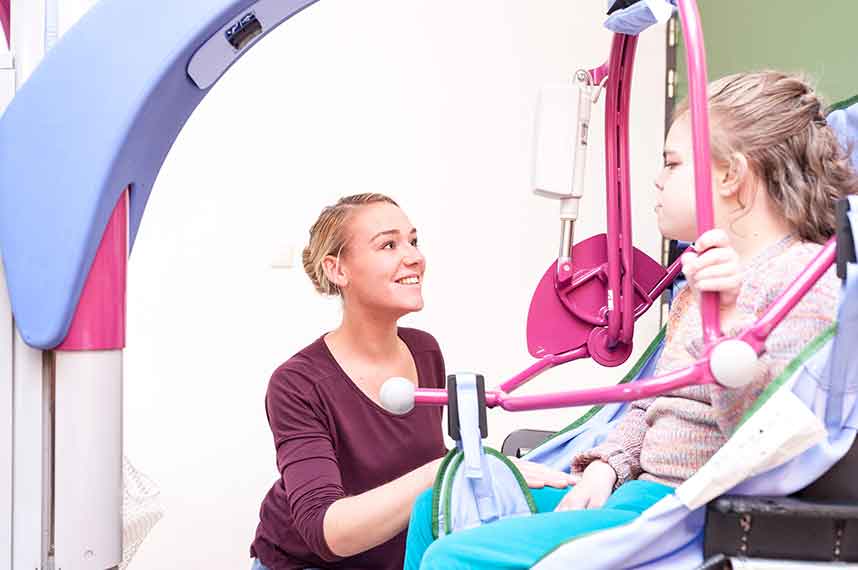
(538, 476)
(714, 267)
(593, 489)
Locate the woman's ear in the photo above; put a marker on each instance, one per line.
(334, 271)
(735, 176)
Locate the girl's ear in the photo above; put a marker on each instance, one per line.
(334, 271)
(735, 176)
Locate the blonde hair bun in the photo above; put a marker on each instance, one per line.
(328, 236)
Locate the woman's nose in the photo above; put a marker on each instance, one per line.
(414, 257)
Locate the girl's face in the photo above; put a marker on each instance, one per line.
(675, 196)
(382, 264)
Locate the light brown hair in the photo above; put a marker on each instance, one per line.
(777, 122)
(328, 236)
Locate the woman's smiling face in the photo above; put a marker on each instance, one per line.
(381, 260)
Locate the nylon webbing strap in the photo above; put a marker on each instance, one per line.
(469, 427)
(837, 369)
(471, 444)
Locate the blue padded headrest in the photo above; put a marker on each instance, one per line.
(845, 124)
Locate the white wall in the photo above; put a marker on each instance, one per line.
(430, 102)
(7, 91)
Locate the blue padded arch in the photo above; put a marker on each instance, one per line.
(99, 114)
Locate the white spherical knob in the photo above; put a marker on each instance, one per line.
(732, 363)
(397, 395)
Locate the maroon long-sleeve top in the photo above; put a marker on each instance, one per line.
(333, 441)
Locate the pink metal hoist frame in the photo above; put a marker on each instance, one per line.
(620, 269)
(620, 264)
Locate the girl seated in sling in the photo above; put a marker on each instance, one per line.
(777, 171)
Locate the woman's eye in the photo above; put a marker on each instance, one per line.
(389, 245)
(671, 165)
(414, 242)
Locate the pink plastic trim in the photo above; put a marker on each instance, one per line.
(695, 57)
(99, 320)
(6, 20)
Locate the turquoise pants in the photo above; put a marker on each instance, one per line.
(520, 542)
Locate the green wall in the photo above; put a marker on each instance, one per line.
(817, 37)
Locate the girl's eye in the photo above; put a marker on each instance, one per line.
(414, 242)
(389, 245)
(671, 165)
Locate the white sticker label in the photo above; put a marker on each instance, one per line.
(781, 429)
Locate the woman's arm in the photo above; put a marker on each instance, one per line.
(355, 524)
(331, 524)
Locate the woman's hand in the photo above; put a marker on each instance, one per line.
(592, 490)
(538, 476)
(714, 267)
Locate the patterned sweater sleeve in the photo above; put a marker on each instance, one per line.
(622, 447)
(810, 317)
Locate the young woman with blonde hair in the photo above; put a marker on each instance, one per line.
(350, 470)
